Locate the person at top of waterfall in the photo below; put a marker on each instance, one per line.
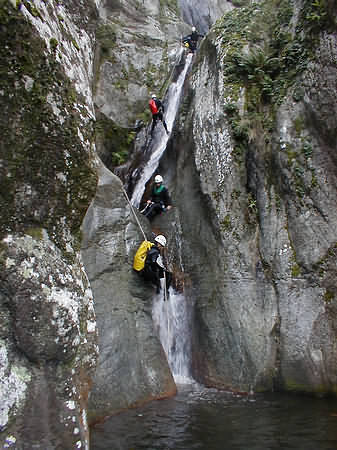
(157, 110)
(154, 269)
(191, 40)
(159, 201)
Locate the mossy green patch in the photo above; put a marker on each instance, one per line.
(226, 224)
(47, 180)
(113, 141)
(328, 296)
(263, 60)
(295, 270)
(35, 233)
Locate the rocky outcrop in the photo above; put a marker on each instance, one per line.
(132, 367)
(47, 179)
(203, 14)
(137, 45)
(137, 51)
(251, 166)
(254, 185)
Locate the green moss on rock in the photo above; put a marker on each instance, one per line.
(47, 179)
(113, 142)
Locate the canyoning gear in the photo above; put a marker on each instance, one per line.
(147, 206)
(160, 262)
(157, 190)
(140, 256)
(153, 210)
(158, 179)
(191, 41)
(161, 240)
(152, 271)
(153, 96)
(159, 201)
(157, 110)
(160, 194)
(156, 105)
(153, 106)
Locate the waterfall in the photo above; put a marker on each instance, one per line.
(171, 317)
(172, 321)
(160, 137)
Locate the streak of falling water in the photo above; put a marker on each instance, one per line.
(172, 320)
(160, 137)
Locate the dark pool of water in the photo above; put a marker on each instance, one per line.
(199, 418)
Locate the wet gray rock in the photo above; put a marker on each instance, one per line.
(137, 48)
(48, 337)
(258, 215)
(202, 14)
(132, 367)
(48, 345)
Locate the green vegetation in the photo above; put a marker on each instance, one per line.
(295, 270)
(226, 224)
(106, 37)
(53, 43)
(269, 66)
(30, 7)
(328, 296)
(263, 60)
(320, 14)
(263, 56)
(251, 203)
(113, 141)
(239, 131)
(75, 44)
(49, 179)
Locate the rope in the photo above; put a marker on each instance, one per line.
(133, 211)
(165, 291)
(144, 235)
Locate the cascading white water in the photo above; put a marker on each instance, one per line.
(173, 323)
(161, 138)
(171, 317)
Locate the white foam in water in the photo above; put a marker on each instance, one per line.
(161, 138)
(172, 322)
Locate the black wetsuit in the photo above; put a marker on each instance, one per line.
(159, 115)
(153, 272)
(192, 40)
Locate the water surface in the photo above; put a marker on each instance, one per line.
(200, 418)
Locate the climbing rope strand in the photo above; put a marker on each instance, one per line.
(134, 213)
(144, 235)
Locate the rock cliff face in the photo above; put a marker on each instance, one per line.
(203, 14)
(251, 166)
(255, 178)
(132, 366)
(48, 327)
(138, 44)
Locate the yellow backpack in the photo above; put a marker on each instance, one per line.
(140, 256)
